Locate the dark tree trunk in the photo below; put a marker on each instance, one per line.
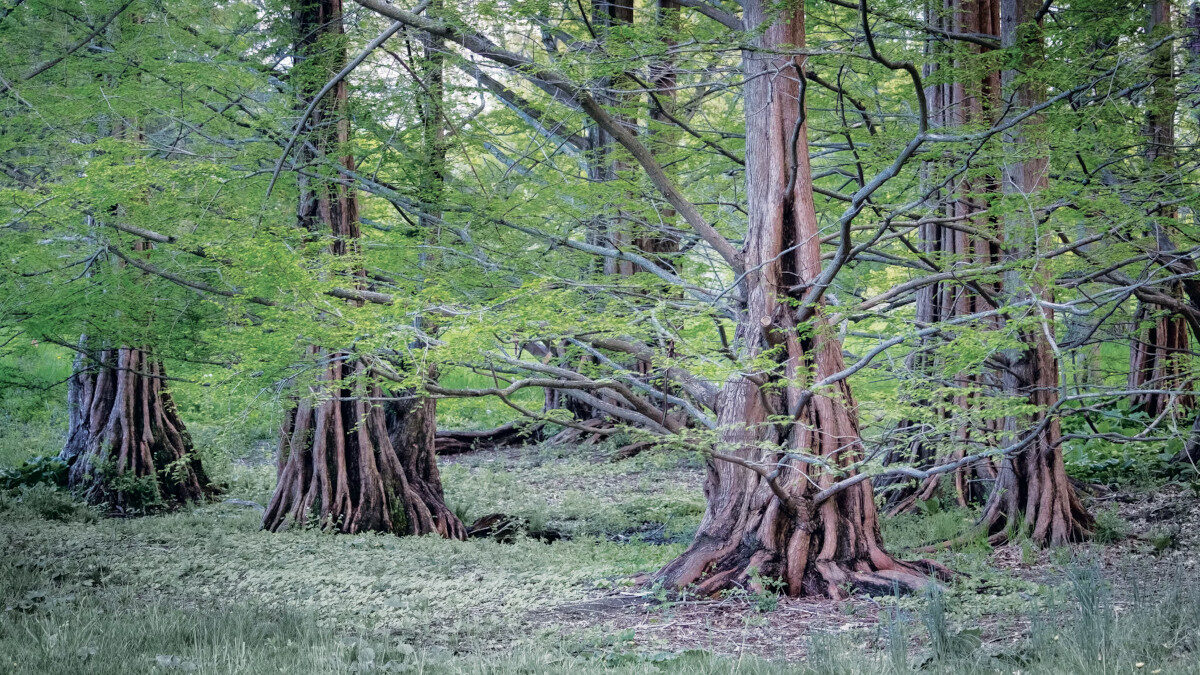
(952, 244)
(1032, 490)
(763, 524)
(1155, 353)
(345, 462)
(126, 446)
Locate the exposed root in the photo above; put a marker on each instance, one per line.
(126, 446)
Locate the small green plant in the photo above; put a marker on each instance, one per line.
(933, 615)
(944, 643)
(1164, 539)
(1110, 527)
(1028, 551)
(766, 598)
(137, 494)
(897, 641)
(50, 503)
(1093, 609)
(38, 470)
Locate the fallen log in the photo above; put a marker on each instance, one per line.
(453, 442)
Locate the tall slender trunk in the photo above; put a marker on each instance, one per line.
(1155, 353)
(952, 244)
(767, 524)
(661, 242)
(345, 462)
(1032, 490)
(609, 227)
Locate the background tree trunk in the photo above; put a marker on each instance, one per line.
(765, 524)
(952, 244)
(1032, 490)
(1155, 353)
(346, 462)
(126, 446)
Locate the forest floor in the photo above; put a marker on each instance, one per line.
(205, 590)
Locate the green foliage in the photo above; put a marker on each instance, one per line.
(1129, 463)
(1110, 527)
(44, 501)
(48, 470)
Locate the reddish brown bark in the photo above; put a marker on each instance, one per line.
(758, 525)
(959, 242)
(346, 462)
(1032, 490)
(1155, 353)
(126, 446)
(349, 464)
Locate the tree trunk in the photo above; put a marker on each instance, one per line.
(609, 228)
(1032, 490)
(766, 524)
(661, 242)
(126, 446)
(1155, 353)
(345, 462)
(954, 104)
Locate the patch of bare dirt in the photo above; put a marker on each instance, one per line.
(1160, 548)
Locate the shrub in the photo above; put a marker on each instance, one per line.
(48, 470)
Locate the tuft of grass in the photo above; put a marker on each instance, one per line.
(1110, 527)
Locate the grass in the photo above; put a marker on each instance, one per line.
(205, 590)
(652, 498)
(33, 404)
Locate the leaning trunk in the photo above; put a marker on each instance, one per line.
(765, 518)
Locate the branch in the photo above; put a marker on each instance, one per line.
(47, 65)
(485, 47)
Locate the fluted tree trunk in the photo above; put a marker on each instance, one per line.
(1032, 490)
(1155, 352)
(763, 518)
(126, 446)
(346, 462)
(959, 238)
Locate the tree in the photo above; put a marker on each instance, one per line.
(1155, 353)
(1032, 490)
(126, 445)
(961, 236)
(346, 461)
(767, 516)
